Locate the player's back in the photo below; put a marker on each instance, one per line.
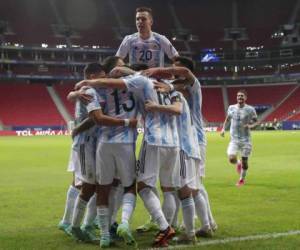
(120, 104)
(160, 128)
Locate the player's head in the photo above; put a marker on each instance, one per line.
(241, 96)
(183, 61)
(112, 61)
(143, 19)
(93, 71)
(139, 67)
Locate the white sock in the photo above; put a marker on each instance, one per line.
(175, 218)
(91, 211)
(78, 213)
(201, 210)
(243, 173)
(116, 194)
(205, 195)
(103, 214)
(169, 206)
(152, 204)
(70, 201)
(188, 213)
(129, 200)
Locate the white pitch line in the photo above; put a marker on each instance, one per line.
(236, 239)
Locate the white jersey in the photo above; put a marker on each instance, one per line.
(195, 104)
(187, 132)
(239, 117)
(150, 51)
(160, 128)
(81, 113)
(115, 103)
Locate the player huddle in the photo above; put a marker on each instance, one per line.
(110, 102)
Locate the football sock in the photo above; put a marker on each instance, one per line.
(152, 204)
(188, 213)
(129, 201)
(91, 211)
(70, 201)
(169, 206)
(78, 213)
(201, 209)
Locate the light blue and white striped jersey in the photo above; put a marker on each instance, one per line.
(81, 113)
(116, 103)
(187, 132)
(150, 51)
(239, 117)
(160, 128)
(195, 103)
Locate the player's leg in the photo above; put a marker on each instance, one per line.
(148, 171)
(87, 191)
(72, 194)
(105, 172)
(188, 177)
(202, 189)
(245, 149)
(125, 162)
(232, 151)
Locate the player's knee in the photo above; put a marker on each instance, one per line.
(184, 192)
(131, 188)
(232, 159)
(167, 189)
(87, 191)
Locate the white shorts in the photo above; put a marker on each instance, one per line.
(71, 164)
(157, 161)
(115, 160)
(203, 160)
(83, 161)
(244, 148)
(189, 171)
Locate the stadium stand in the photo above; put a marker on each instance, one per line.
(290, 105)
(27, 105)
(213, 107)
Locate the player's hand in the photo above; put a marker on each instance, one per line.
(249, 126)
(162, 87)
(133, 123)
(222, 133)
(149, 106)
(85, 98)
(74, 133)
(80, 84)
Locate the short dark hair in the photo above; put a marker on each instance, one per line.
(186, 62)
(242, 91)
(139, 67)
(92, 68)
(144, 9)
(110, 62)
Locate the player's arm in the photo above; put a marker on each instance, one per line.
(102, 83)
(222, 133)
(254, 122)
(117, 72)
(175, 108)
(99, 118)
(79, 94)
(83, 126)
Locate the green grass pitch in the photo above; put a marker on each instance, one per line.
(34, 181)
